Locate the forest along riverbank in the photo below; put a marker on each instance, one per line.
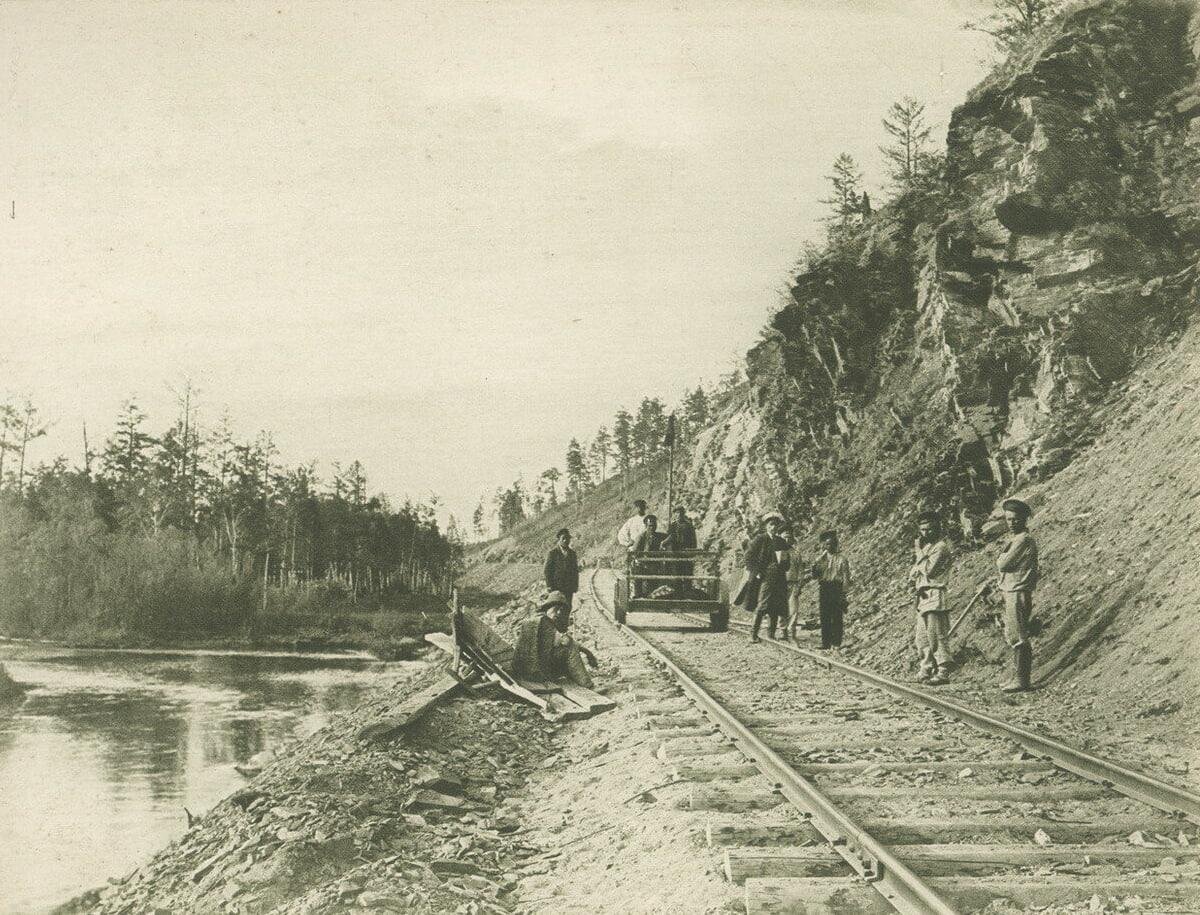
(482, 806)
(104, 754)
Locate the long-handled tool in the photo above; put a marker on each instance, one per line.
(984, 588)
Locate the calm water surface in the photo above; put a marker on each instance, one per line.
(107, 748)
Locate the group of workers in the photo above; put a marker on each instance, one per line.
(775, 578)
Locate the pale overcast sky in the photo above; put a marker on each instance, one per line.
(441, 238)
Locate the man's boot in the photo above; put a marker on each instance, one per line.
(1022, 664)
(758, 618)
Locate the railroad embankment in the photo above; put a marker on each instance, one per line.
(1028, 329)
(480, 806)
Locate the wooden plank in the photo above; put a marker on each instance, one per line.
(683, 747)
(706, 771)
(1011, 794)
(410, 709)
(927, 831)
(979, 767)
(561, 708)
(813, 896)
(479, 633)
(766, 829)
(537, 686)
(970, 893)
(735, 797)
(672, 734)
(441, 641)
(515, 689)
(593, 701)
(744, 862)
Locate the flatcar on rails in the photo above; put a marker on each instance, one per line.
(679, 581)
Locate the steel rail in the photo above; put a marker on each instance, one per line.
(1137, 785)
(872, 861)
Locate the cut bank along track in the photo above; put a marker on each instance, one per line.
(906, 807)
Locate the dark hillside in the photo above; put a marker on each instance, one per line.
(1026, 327)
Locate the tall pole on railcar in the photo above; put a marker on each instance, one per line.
(670, 443)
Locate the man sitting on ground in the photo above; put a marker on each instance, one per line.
(543, 653)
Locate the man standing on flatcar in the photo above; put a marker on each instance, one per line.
(681, 537)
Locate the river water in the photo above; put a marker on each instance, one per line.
(99, 760)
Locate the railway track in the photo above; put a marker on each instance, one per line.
(824, 793)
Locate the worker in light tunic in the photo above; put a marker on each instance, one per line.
(628, 535)
(1018, 568)
(929, 576)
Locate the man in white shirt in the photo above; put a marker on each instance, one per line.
(628, 535)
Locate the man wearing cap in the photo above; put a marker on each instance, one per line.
(929, 575)
(562, 574)
(767, 559)
(831, 572)
(543, 652)
(1018, 568)
(681, 537)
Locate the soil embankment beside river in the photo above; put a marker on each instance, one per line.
(482, 806)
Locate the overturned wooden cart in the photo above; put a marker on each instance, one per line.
(681, 581)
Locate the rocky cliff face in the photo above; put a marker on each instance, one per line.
(959, 347)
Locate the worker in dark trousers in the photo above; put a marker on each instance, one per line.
(649, 541)
(562, 575)
(681, 537)
(1018, 568)
(831, 571)
(767, 559)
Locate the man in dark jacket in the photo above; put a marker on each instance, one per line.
(650, 541)
(562, 575)
(681, 536)
(767, 560)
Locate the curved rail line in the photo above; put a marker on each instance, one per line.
(881, 868)
(1137, 785)
(893, 880)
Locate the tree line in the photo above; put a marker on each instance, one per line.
(633, 439)
(195, 528)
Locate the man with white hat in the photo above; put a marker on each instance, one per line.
(767, 560)
(1018, 568)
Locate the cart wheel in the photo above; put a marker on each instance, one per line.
(621, 600)
(718, 620)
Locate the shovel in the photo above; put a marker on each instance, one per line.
(984, 588)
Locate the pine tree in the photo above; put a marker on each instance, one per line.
(598, 454)
(695, 412)
(648, 428)
(622, 437)
(908, 153)
(576, 468)
(127, 452)
(477, 520)
(845, 201)
(1011, 22)
(548, 485)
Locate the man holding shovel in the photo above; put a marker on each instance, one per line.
(929, 576)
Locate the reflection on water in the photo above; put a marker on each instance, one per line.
(108, 748)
